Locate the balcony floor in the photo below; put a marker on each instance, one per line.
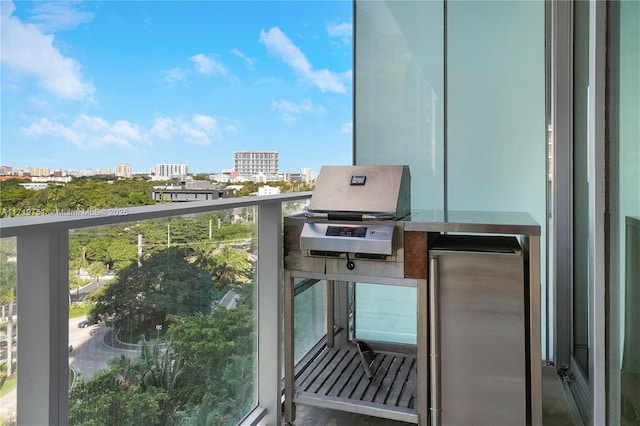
(556, 410)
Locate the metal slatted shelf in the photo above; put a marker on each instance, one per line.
(336, 379)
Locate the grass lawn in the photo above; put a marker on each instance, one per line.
(8, 386)
(80, 309)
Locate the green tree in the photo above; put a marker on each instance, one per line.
(121, 253)
(231, 265)
(12, 195)
(55, 196)
(217, 351)
(96, 270)
(141, 297)
(228, 401)
(155, 367)
(97, 249)
(110, 400)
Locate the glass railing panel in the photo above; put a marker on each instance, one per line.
(310, 315)
(163, 324)
(293, 208)
(385, 313)
(8, 331)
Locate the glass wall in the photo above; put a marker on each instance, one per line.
(399, 92)
(496, 107)
(623, 124)
(385, 314)
(463, 104)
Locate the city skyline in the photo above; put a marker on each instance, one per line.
(123, 167)
(178, 82)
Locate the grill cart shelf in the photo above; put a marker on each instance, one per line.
(336, 379)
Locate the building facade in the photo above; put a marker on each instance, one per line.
(123, 170)
(171, 170)
(253, 163)
(39, 171)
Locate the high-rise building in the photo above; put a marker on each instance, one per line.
(40, 171)
(307, 175)
(123, 170)
(171, 170)
(252, 163)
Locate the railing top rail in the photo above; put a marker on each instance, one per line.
(11, 227)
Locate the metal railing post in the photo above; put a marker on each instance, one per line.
(269, 309)
(43, 324)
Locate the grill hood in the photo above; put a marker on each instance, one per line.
(361, 193)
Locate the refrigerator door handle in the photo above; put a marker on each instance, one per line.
(434, 341)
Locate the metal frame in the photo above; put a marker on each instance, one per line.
(561, 257)
(597, 209)
(269, 308)
(43, 349)
(337, 285)
(562, 209)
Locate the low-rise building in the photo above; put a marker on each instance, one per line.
(189, 191)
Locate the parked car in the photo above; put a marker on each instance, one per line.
(87, 322)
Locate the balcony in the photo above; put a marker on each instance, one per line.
(51, 350)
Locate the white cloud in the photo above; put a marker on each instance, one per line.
(87, 132)
(194, 136)
(291, 111)
(279, 45)
(206, 65)
(54, 16)
(126, 130)
(27, 51)
(45, 127)
(205, 122)
(244, 57)
(174, 76)
(344, 30)
(202, 64)
(287, 106)
(163, 128)
(347, 128)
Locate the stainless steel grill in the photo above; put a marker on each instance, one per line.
(353, 211)
(353, 232)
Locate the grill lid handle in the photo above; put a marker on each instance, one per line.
(349, 216)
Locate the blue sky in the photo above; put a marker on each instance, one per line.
(96, 83)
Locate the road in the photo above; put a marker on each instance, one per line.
(80, 293)
(89, 355)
